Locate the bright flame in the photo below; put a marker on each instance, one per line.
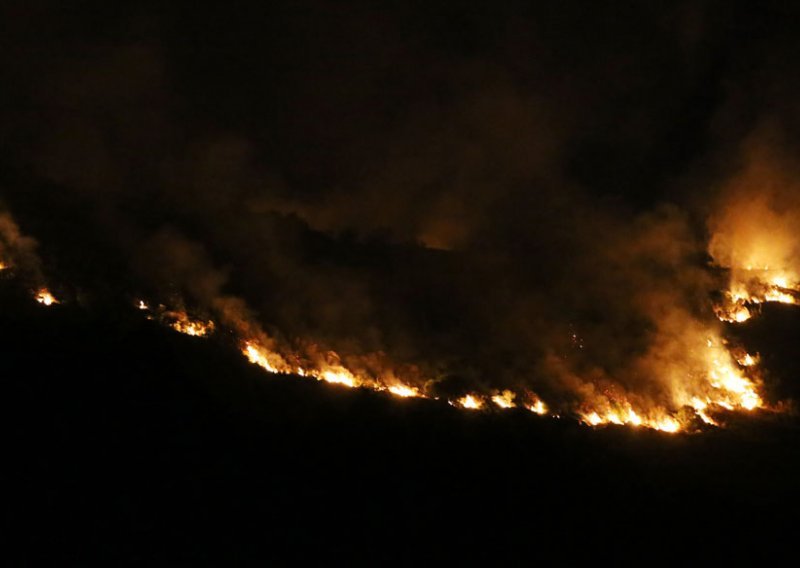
(261, 357)
(734, 388)
(538, 407)
(756, 286)
(470, 401)
(44, 297)
(748, 360)
(403, 390)
(184, 324)
(505, 399)
(667, 424)
(735, 313)
(340, 376)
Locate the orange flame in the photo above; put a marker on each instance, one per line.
(470, 401)
(403, 391)
(182, 323)
(505, 399)
(44, 297)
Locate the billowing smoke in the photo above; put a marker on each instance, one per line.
(461, 201)
(755, 225)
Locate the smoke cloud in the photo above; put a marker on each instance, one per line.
(477, 198)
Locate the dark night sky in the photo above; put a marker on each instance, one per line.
(461, 186)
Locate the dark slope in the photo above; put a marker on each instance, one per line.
(135, 445)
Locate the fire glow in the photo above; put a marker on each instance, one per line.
(704, 376)
(727, 386)
(44, 297)
(751, 287)
(195, 328)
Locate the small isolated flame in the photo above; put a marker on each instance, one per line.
(505, 399)
(44, 297)
(3, 265)
(142, 305)
(469, 401)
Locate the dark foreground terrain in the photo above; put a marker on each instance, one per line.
(129, 444)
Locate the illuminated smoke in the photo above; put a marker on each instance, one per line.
(18, 254)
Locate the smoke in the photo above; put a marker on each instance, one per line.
(459, 198)
(18, 251)
(754, 226)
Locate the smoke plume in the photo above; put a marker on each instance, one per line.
(459, 200)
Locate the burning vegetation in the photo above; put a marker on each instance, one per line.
(44, 297)
(677, 372)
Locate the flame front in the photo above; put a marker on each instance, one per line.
(403, 391)
(751, 287)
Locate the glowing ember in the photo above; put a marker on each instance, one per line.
(3, 265)
(44, 297)
(470, 401)
(504, 399)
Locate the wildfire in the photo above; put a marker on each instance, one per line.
(626, 415)
(470, 402)
(403, 391)
(505, 399)
(340, 376)
(538, 407)
(747, 360)
(182, 323)
(44, 297)
(753, 286)
(264, 359)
